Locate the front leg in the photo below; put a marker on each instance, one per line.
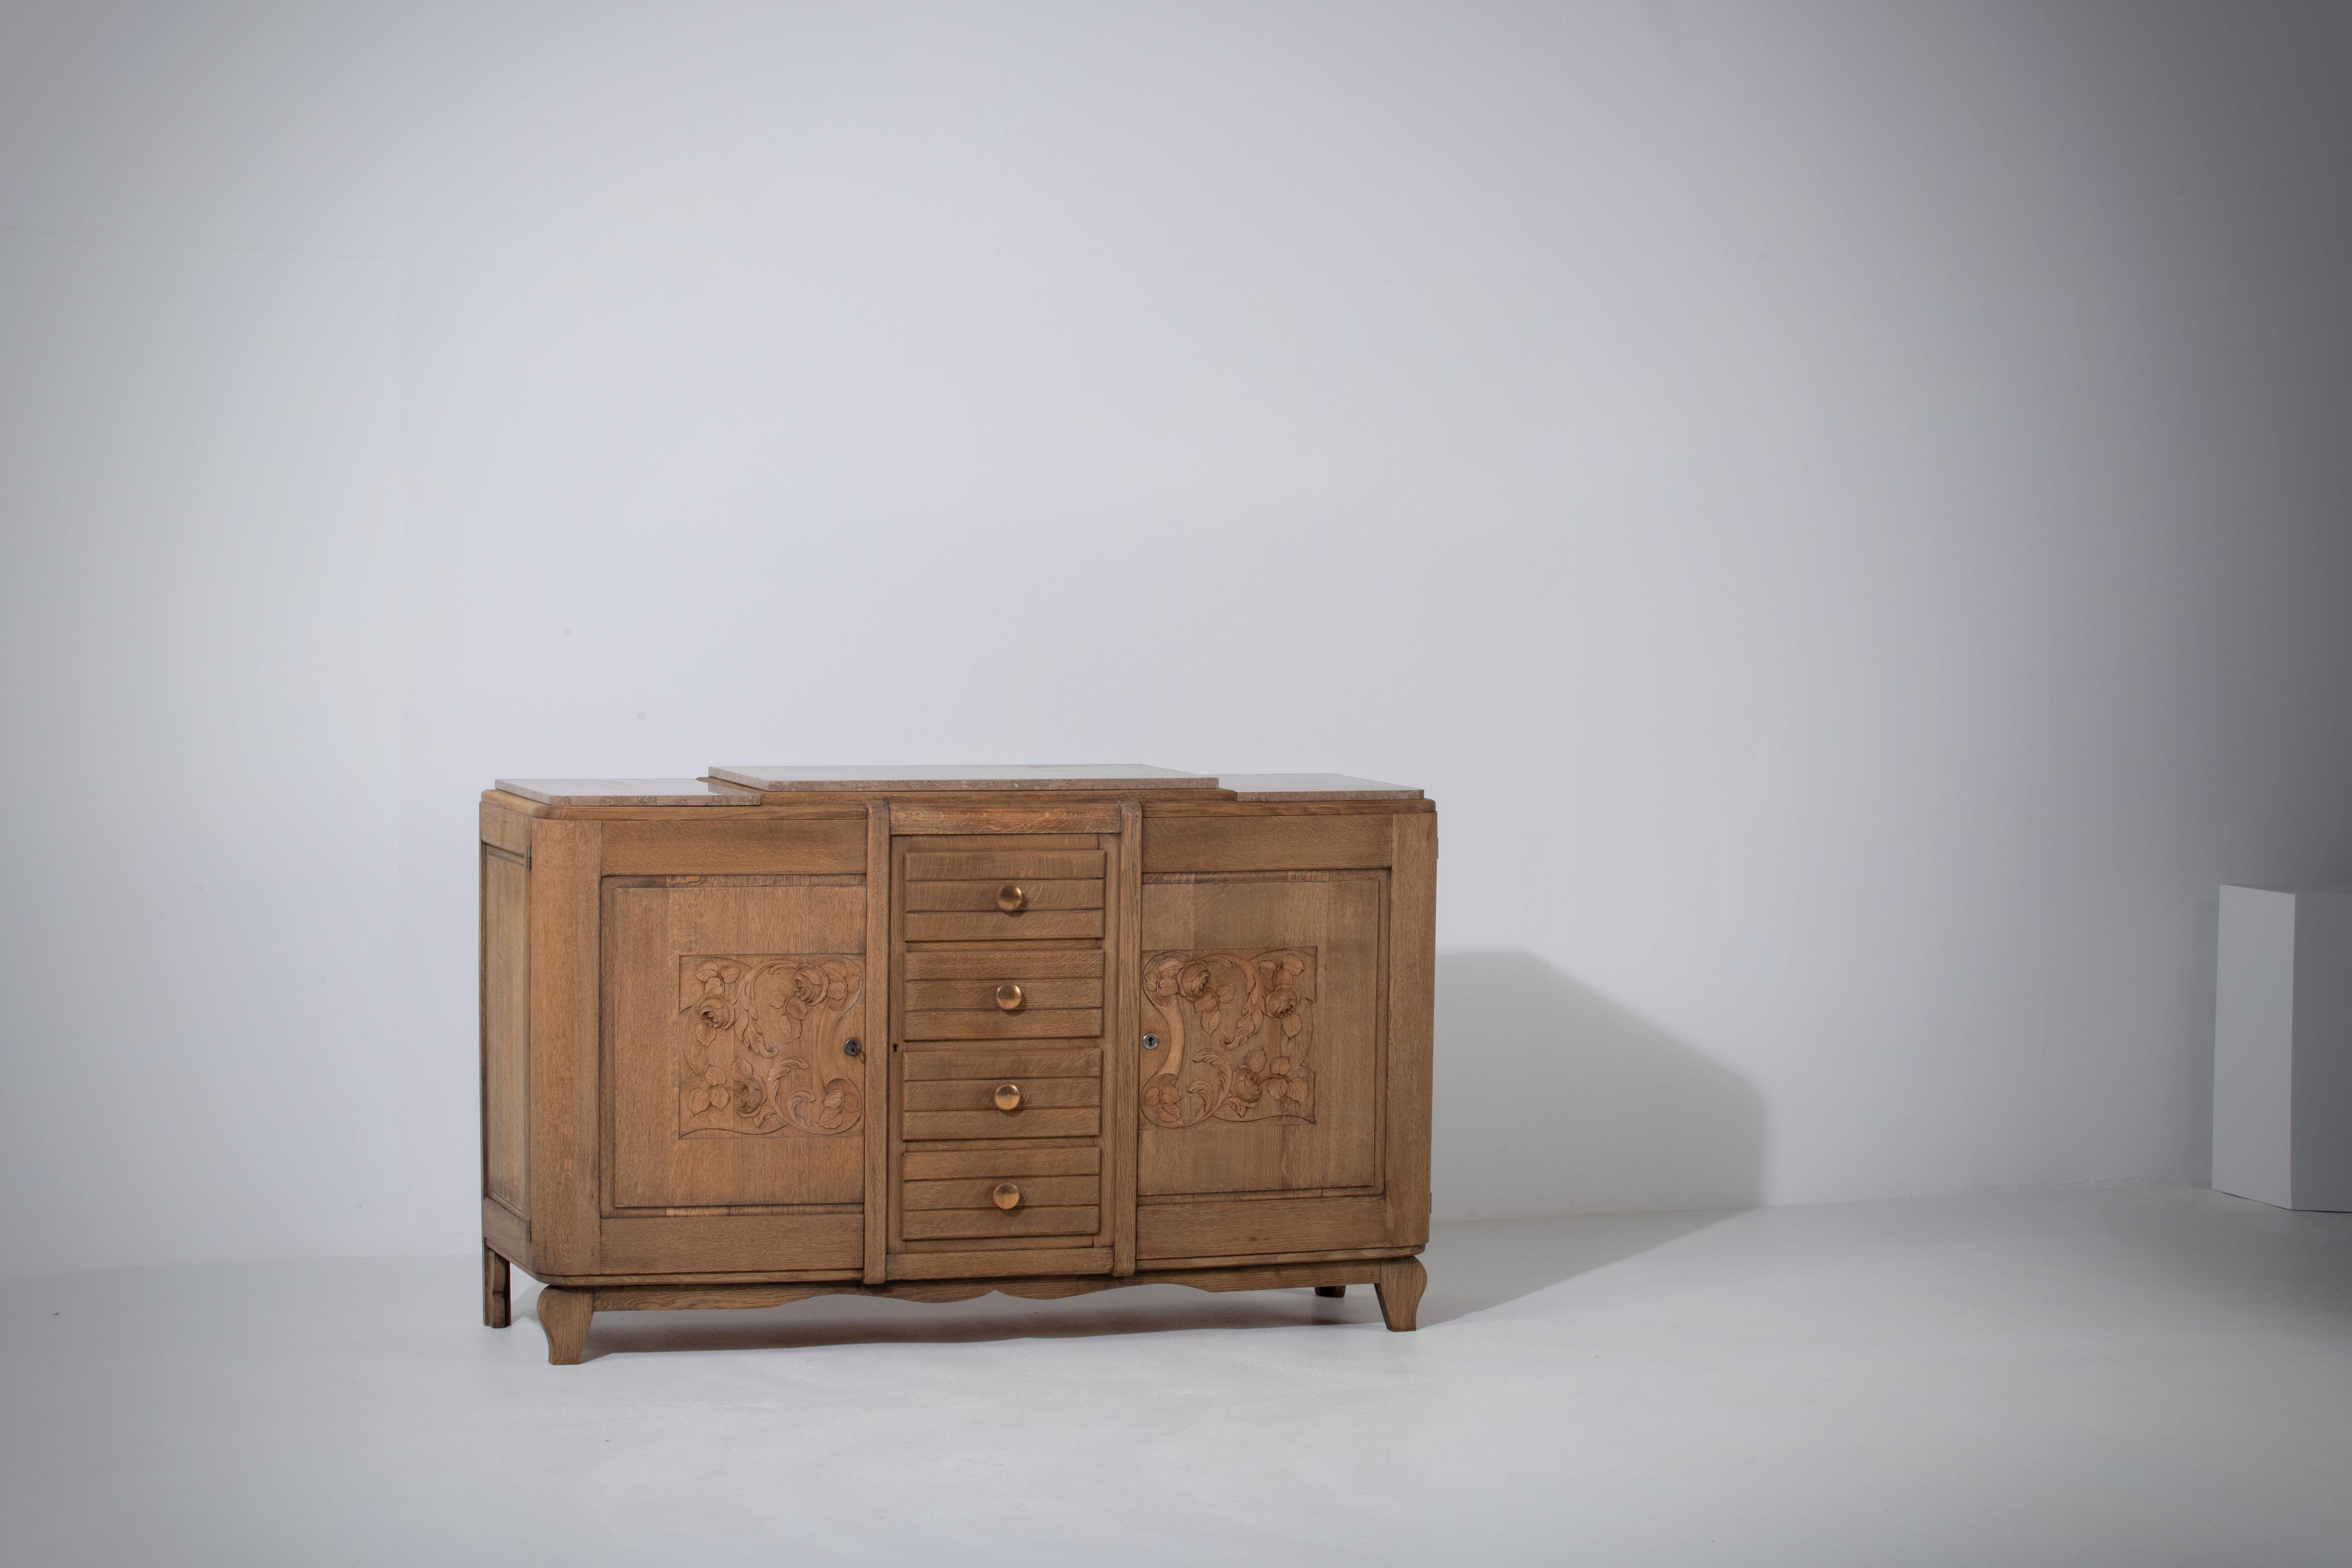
(564, 1315)
(497, 1291)
(1400, 1286)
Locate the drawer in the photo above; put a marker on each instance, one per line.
(1028, 925)
(1026, 1192)
(1006, 865)
(1019, 1065)
(969, 1108)
(997, 1165)
(1000, 895)
(981, 1094)
(991, 897)
(940, 1224)
(1004, 995)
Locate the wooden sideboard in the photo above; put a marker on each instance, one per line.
(927, 1033)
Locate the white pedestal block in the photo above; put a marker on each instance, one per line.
(2283, 1046)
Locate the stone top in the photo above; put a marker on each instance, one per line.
(989, 776)
(1312, 787)
(745, 785)
(628, 792)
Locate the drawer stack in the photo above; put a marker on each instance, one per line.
(1001, 1079)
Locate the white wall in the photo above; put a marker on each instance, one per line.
(1846, 511)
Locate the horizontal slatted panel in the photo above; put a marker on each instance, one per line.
(999, 1164)
(999, 1066)
(1014, 964)
(1048, 1024)
(1029, 1121)
(981, 994)
(980, 1192)
(1006, 865)
(1030, 925)
(1035, 895)
(973, 1094)
(937, 1224)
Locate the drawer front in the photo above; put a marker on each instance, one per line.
(940, 1224)
(989, 897)
(1029, 925)
(1029, 1121)
(1005, 993)
(980, 1094)
(1004, 895)
(1021, 1066)
(999, 1164)
(1022, 866)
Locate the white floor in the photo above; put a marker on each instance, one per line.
(2130, 1376)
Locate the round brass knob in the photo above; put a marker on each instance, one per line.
(1011, 898)
(1007, 1195)
(1008, 1097)
(1008, 996)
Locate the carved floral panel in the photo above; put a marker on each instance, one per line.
(759, 1044)
(1237, 1029)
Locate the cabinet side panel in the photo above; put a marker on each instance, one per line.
(506, 1027)
(565, 861)
(1411, 1023)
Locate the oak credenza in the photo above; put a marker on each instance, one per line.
(927, 1033)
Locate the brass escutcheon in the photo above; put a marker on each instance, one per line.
(1008, 1097)
(1008, 996)
(1011, 898)
(1007, 1195)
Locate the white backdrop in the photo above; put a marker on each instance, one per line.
(1845, 512)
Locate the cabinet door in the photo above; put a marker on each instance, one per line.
(734, 1095)
(1264, 990)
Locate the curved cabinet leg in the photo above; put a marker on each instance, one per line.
(564, 1315)
(497, 1291)
(1330, 1289)
(1399, 1287)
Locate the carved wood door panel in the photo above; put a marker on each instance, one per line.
(1262, 990)
(729, 1005)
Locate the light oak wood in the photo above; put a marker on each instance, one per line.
(881, 1033)
(1029, 1121)
(982, 1094)
(1036, 893)
(1264, 843)
(507, 1233)
(564, 1314)
(941, 1224)
(565, 991)
(1399, 1284)
(505, 1027)
(995, 1024)
(926, 818)
(995, 926)
(996, 866)
(978, 996)
(986, 1167)
(1029, 965)
(1266, 991)
(735, 845)
(1124, 1034)
(973, 1193)
(497, 1301)
(955, 1060)
(833, 1039)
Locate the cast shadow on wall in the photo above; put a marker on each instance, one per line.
(1552, 1101)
